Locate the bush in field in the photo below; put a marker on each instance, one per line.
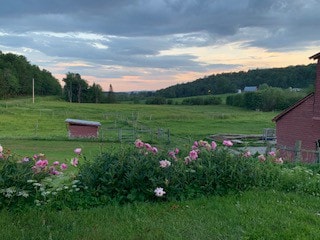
(156, 100)
(202, 101)
(267, 99)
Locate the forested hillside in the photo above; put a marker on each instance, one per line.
(16, 75)
(293, 76)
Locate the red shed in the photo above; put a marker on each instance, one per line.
(301, 122)
(82, 129)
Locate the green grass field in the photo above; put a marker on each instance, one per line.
(251, 215)
(28, 128)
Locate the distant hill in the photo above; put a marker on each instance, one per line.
(300, 76)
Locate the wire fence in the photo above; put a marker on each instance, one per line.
(131, 134)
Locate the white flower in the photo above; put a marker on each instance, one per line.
(159, 192)
(164, 163)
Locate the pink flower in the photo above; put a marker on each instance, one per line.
(63, 166)
(279, 160)
(187, 160)
(196, 144)
(193, 155)
(148, 146)
(77, 151)
(247, 154)
(56, 163)
(207, 146)
(172, 154)
(159, 192)
(202, 143)
(53, 171)
(213, 145)
(164, 163)
(261, 158)
(25, 159)
(42, 163)
(1, 149)
(74, 162)
(139, 144)
(272, 153)
(154, 150)
(176, 151)
(227, 143)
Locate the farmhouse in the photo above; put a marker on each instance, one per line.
(82, 129)
(301, 122)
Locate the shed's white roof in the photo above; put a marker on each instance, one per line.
(82, 122)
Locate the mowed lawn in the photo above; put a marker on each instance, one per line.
(250, 215)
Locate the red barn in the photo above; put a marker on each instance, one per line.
(82, 129)
(301, 122)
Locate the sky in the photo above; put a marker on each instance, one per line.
(139, 45)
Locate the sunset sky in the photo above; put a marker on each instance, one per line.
(152, 44)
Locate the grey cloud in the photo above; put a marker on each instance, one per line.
(134, 34)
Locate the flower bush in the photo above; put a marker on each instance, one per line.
(33, 181)
(143, 172)
(138, 173)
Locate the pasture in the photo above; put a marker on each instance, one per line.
(28, 128)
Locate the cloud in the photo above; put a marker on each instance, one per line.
(124, 37)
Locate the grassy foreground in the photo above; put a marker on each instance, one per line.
(251, 215)
(32, 128)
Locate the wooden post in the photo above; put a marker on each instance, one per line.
(268, 148)
(297, 151)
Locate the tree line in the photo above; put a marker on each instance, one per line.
(266, 98)
(16, 75)
(78, 90)
(300, 76)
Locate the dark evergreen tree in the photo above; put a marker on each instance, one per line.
(111, 98)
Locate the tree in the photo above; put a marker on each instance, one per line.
(16, 75)
(111, 98)
(75, 88)
(95, 93)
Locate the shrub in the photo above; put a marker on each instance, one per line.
(202, 101)
(143, 172)
(34, 181)
(137, 174)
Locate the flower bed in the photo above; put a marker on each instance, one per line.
(143, 172)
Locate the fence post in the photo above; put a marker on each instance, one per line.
(268, 148)
(318, 153)
(297, 151)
